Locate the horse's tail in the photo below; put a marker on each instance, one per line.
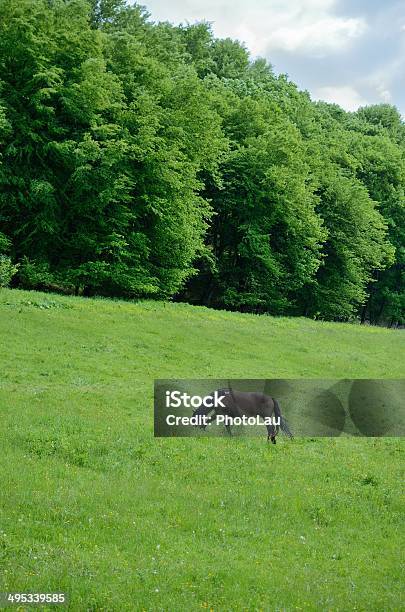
(283, 423)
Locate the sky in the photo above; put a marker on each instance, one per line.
(351, 52)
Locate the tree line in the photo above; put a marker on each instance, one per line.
(147, 160)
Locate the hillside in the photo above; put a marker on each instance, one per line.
(93, 505)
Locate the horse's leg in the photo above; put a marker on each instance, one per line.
(225, 413)
(212, 418)
(271, 433)
(272, 430)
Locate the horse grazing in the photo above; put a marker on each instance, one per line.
(249, 404)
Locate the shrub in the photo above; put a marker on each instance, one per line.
(5, 243)
(34, 274)
(7, 270)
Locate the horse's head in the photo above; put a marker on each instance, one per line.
(200, 411)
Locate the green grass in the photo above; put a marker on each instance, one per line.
(93, 505)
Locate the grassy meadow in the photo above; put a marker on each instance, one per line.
(93, 505)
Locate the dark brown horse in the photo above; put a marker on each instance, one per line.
(249, 404)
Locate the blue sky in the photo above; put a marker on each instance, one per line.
(351, 52)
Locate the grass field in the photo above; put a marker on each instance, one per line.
(93, 505)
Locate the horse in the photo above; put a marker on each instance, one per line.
(248, 403)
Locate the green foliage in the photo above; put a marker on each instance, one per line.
(355, 246)
(141, 159)
(105, 187)
(35, 274)
(5, 243)
(382, 170)
(7, 270)
(104, 11)
(266, 234)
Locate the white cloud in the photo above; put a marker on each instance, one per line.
(346, 96)
(383, 92)
(380, 83)
(318, 36)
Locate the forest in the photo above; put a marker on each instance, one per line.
(152, 160)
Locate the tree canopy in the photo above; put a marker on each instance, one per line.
(154, 160)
